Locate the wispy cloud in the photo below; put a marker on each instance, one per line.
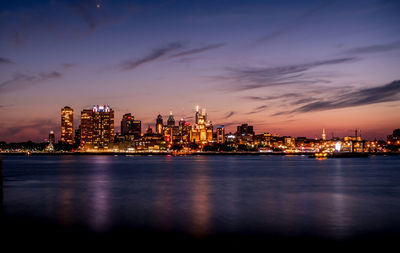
(230, 114)
(154, 55)
(19, 80)
(166, 51)
(379, 48)
(275, 97)
(248, 78)
(258, 109)
(380, 94)
(5, 61)
(198, 50)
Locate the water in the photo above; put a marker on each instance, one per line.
(202, 196)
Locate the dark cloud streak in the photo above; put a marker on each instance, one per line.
(375, 48)
(198, 50)
(380, 94)
(154, 55)
(248, 78)
(5, 61)
(19, 80)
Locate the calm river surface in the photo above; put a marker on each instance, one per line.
(208, 195)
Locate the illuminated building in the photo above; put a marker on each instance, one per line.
(323, 134)
(130, 126)
(103, 127)
(50, 147)
(171, 120)
(184, 130)
(202, 131)
(67, 125)
(159, 125)
(220, 134)
(52, 138)
(86, 128)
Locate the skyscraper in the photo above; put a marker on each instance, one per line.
(86, 129)
(171, 120)
(67, 125)
(103, 127)
(159, 124)
(52, 138)
(203, 129)
(220, 134)
(245, 130)
(130, 126)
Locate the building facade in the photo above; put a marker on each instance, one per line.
(103, 127)
(67, 125)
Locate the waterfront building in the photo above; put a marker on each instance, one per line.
(86, 129)
(131, 127)
(103, 127)
(67, 125)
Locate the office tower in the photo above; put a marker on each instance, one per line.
(67, 125)
(103, 127)
(52, 137)
(220, 134)
(86, 129)
(202, 131)
(130, 126)
(245, 130)
(171, 120)
(323, 134)
(159, 125)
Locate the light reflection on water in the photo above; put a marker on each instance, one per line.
(202, 195)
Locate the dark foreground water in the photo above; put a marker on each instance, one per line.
(204, 196)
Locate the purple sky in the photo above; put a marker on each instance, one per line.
(287, 67)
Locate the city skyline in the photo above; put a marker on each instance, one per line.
(286, 67)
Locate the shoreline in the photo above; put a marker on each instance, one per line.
(253, 153)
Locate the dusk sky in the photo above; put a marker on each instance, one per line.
(286, 67)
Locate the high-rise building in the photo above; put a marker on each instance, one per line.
(67, 125)
(245, 130)
(171, 120)
(159, 125)
(103, 127)
(220, 134)
(52, 138)
(323, 134)
(203, 130)
(86, 129)
(130, 126)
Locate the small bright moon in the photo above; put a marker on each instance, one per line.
(98, 5)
